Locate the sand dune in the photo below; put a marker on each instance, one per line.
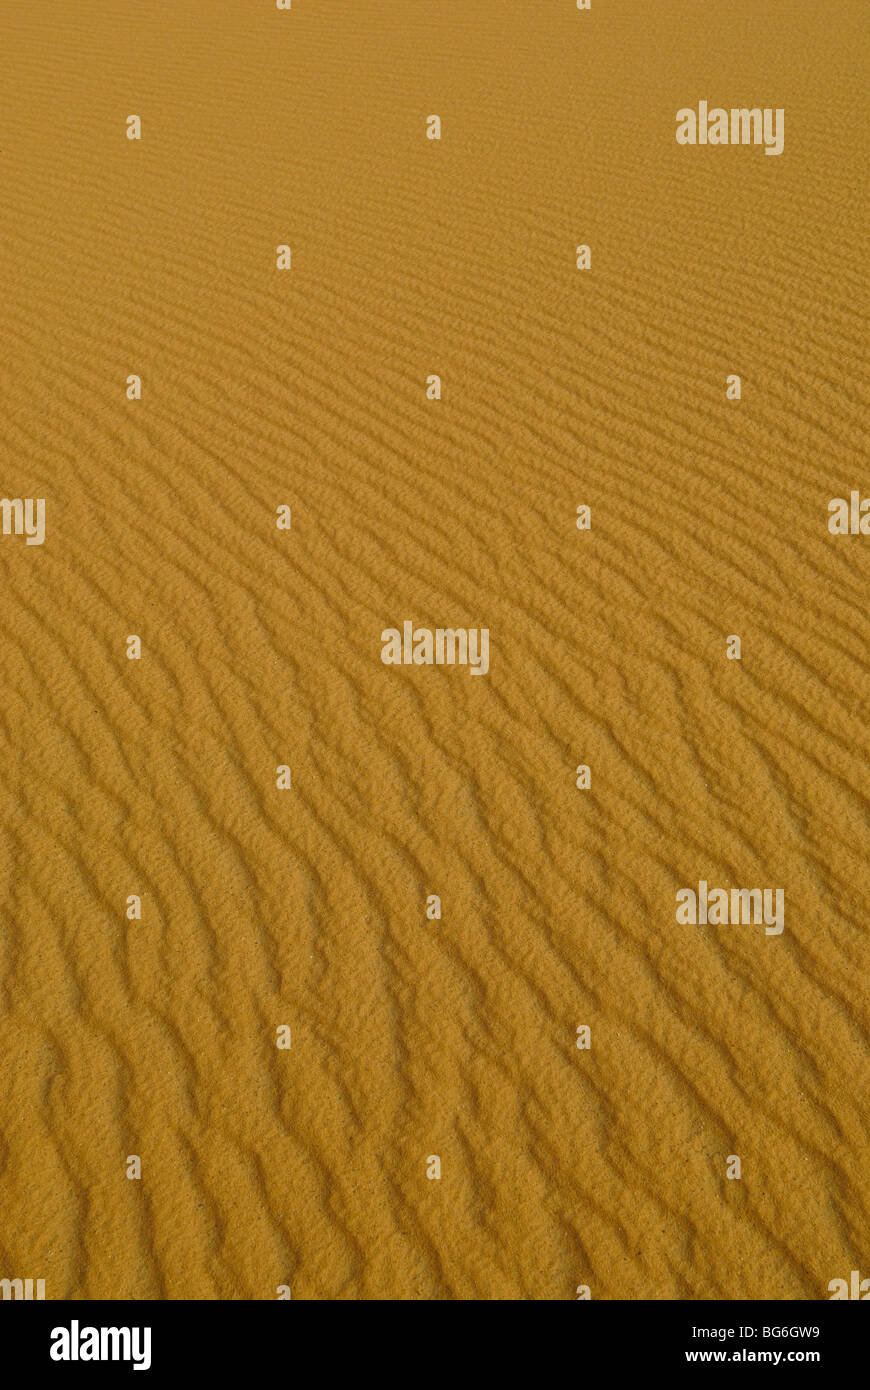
(260, 647)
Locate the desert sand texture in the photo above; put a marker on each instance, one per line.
(305, 907)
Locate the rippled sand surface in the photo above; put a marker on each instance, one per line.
(307, 1167)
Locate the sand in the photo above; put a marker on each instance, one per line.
(307, 1167)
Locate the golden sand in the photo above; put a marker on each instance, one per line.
(307, 1167)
